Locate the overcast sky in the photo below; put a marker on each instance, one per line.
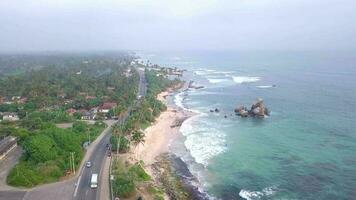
(37, 25)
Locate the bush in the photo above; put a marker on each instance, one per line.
(24, 175)
(124, 186)
(40, 148)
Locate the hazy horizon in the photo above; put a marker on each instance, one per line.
(73, 25)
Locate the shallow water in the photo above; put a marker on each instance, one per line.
(304, 150)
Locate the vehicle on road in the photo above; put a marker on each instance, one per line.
(94, 181)
(88, 164)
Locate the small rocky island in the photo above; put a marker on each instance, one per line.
(258, 109)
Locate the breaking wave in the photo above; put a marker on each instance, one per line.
(245, 79)
(253, 195)
(211, 139)
(217, 80)
(265, 86)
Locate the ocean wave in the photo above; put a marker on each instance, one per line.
(245, 79)
(253, 195)
(217, 80)
(211, 140)
(203, 92)
(212, 72)
(265, 86)
(179, 99)
(202, 72)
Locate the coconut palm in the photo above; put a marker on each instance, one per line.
(138, 137)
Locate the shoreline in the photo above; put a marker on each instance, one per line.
(167, 170)
(164, 131)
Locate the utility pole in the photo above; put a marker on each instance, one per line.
(70, 162)
(73, 164)
(88, 134)
(118, 147)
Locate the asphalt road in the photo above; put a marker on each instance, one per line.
(83, 190)
(143, 85)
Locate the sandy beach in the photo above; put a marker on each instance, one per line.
(162, 133)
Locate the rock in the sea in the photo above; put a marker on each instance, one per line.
(192, 85)
(211, 110)
(241, 111)
(217, 110)
(258, 109)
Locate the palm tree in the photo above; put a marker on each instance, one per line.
(138, 137)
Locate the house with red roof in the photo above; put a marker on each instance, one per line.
(71, 111)
(107, 106)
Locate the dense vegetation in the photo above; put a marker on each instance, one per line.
(68, 81)
(47, 151)
(40, 89)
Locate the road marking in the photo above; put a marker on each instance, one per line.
(77, 185)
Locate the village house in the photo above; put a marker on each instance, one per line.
(71, 111)
(6, 145)
(106, 107)
(111, 88)
(15, 98)
(87, 115)
(22, 100)
(10, 116)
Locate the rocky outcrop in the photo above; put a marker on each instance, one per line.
(242, 111)
(258, 109)
(192, 85)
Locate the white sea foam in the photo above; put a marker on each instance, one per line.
(217, 80)
(202, 139)
(265, 86)
(211, 72)
(253, 195)
(245, 79)
(203, 92)
(178, 100)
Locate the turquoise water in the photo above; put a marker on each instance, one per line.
(304, 150)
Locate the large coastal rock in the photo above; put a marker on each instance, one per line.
(192, 85)
(258, 109)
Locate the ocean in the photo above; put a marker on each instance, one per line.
(306, 148)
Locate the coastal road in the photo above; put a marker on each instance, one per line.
(142, 85)
(83, 190)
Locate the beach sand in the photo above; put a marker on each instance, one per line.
(167, 170)
(162, 133)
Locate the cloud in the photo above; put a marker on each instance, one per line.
(177, 24)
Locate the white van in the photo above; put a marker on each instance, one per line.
(94, 181)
